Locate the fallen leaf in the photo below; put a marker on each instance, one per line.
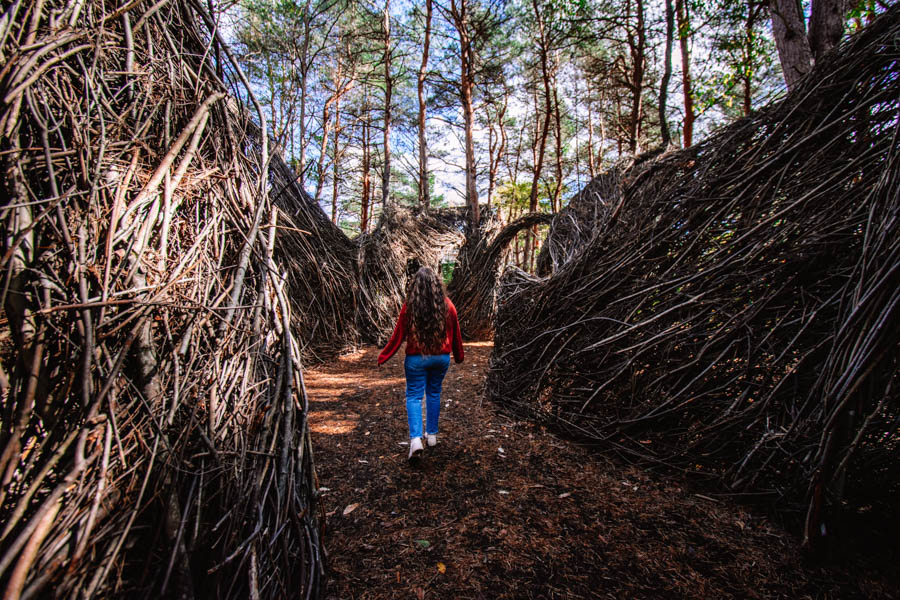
(350, 508)
(442, 568)
(420, 594)
(423, 543)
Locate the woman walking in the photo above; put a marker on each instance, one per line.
(429, 325)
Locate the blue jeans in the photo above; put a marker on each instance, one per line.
(424, 375)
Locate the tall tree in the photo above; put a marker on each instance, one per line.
(637, 45)
(797, 49)
(497, 138)
(477, 24)
(746, 53)
(590, 124)
(388, 89)
(342, 81)
(684, 33)
(459, 12)
(667, 75)
(540, 141)
(424, 200)
(335, 162)
(281, 45)
(365, 141)
(556, 196)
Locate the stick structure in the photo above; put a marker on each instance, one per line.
(153, 437)
(733, 310)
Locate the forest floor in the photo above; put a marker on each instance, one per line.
(502, 508)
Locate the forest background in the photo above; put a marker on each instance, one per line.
(508, 104)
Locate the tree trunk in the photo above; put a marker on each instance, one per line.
(496, 148)
(504, 139)
(789, 30)
(637, 43)
(684, 31)
(304, 70)
(590, 119)
(576, 128)
(424, 200)
(667, 75)
(364, 203)
(323, 148)
(471, 188)
(599, 161)
(459, 13)
(334, 161)
(557, 122)
(513, 167)
(747, 58)
(617, 122)
(388, 85)
(548, 110)
(826, 25)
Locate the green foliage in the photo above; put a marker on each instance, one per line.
(742, 57)
(863, 13)
(514, 195)
(447, 269)
(588, 47)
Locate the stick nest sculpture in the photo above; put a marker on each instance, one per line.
(154, 439)
(733, 309)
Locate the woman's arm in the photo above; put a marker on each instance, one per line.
(455, 333)
(396, 338)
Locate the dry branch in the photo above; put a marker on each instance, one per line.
(474, 284)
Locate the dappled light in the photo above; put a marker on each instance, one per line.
(331, 422)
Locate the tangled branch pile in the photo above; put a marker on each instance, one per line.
(350, 291)
(737, 312)
(153, 431)
(475, 280)
(321, 269)
(400, 235)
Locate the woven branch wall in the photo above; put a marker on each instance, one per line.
(153, 431)
(734, 309)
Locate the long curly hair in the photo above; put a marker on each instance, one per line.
(426, 305)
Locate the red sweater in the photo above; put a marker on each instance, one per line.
(452, 341)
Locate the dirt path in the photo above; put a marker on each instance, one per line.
(503, 509)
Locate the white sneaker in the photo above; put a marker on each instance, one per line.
(415, 448)
(431, 439)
